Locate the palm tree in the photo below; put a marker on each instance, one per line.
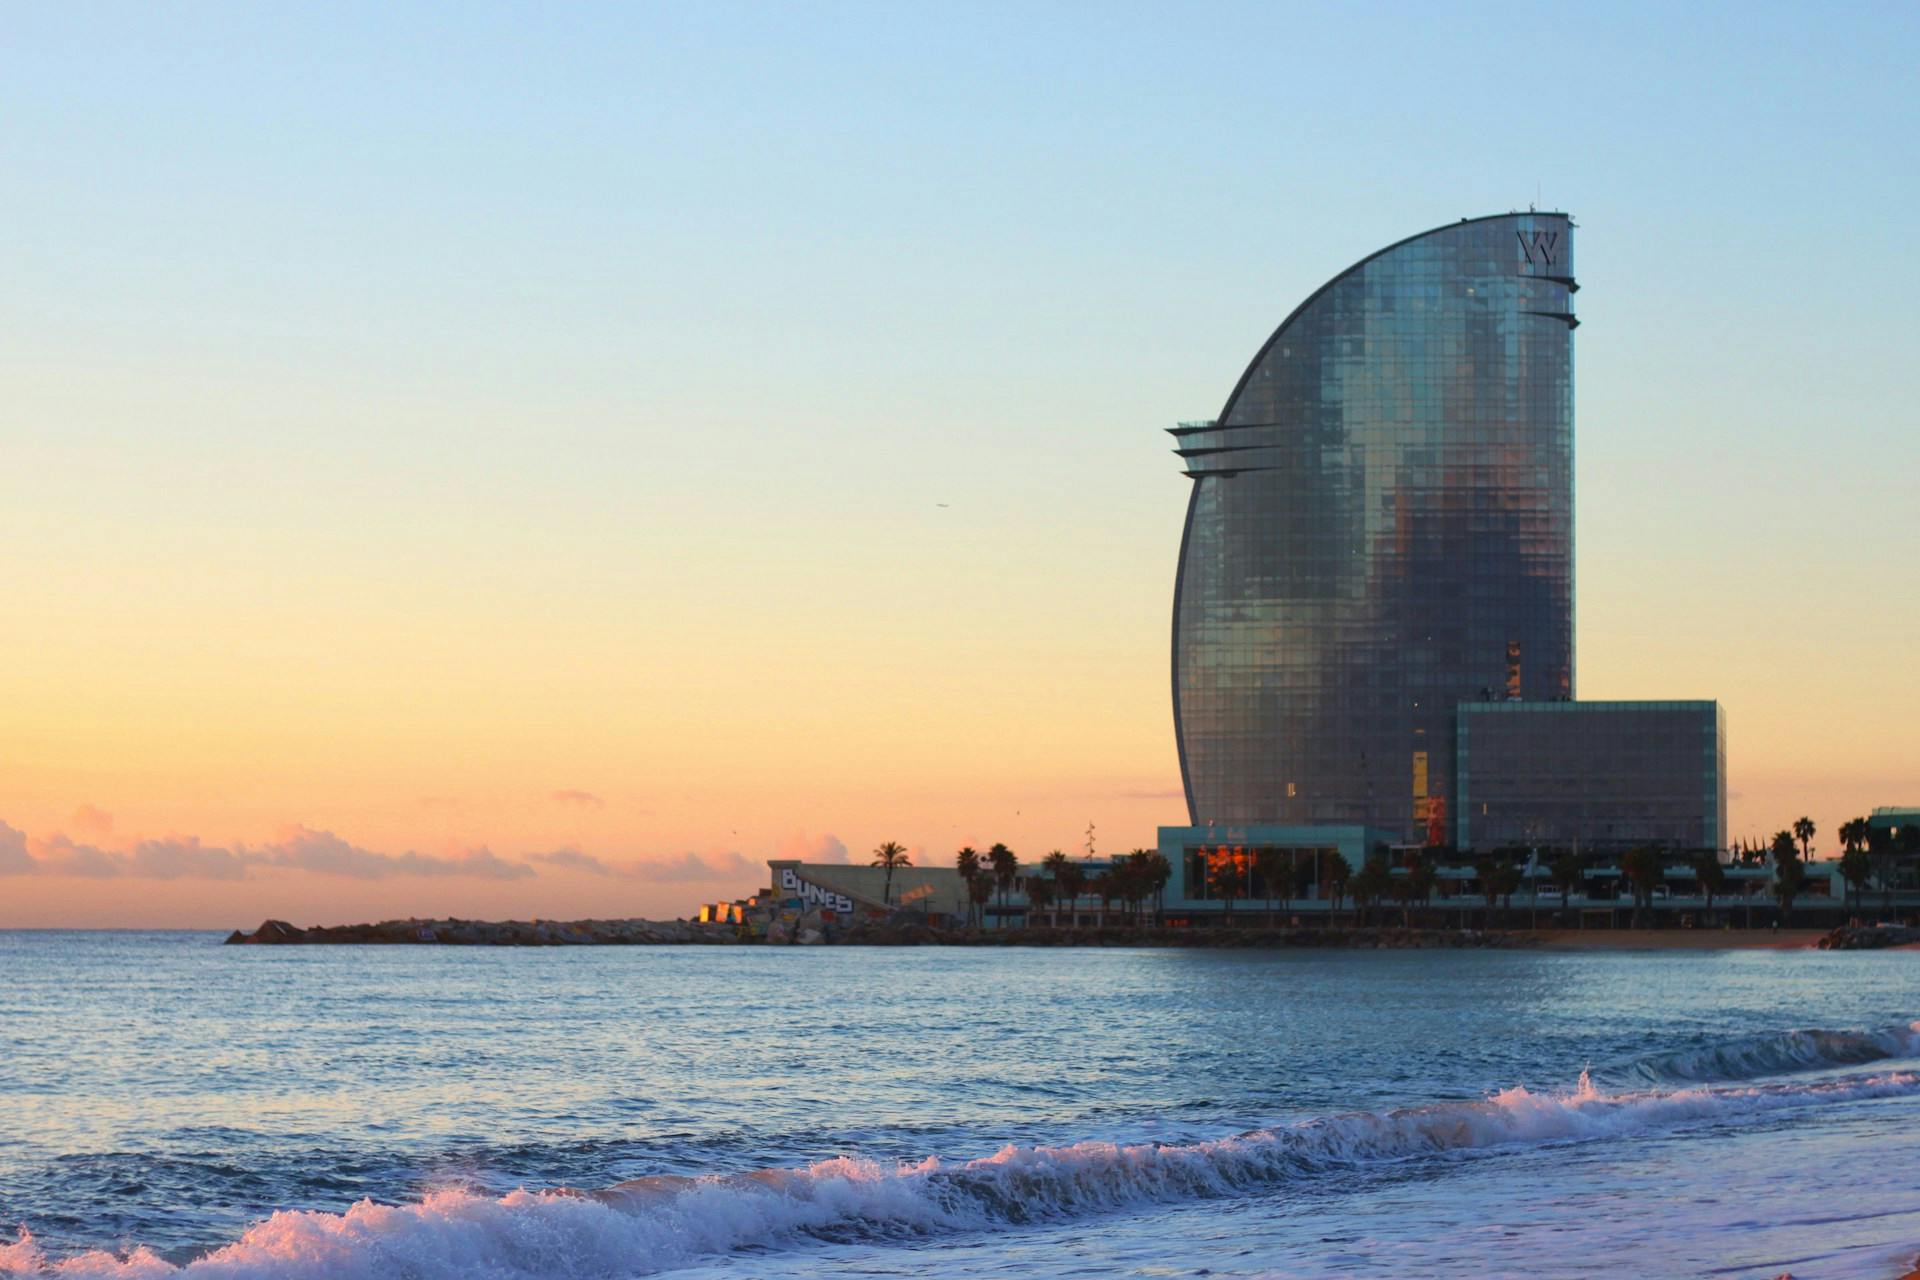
(1711, 875)
(1566, 873)
(1005, 868)
(1125, 874)
(1072, 884)
(1789, 878)
(1853, 836)
(1304, 879)
(1054, 864)
(1855, 867)
(1506, 878)
(1039, 892)
(967, 862)
(979, 889)
(1156, 871)
(1104, 888)
(1488, 873)
(1415, 886)
(1644, 873)
(1880, 847)
(1803, 830)
(1789, 875)
(1371, 884)
(1267, 863)
(1136, 880)
(1226, 876)
(1339, 873)
(890, 855)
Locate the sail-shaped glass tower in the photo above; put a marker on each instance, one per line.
(1380, 528)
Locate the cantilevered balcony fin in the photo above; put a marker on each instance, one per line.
(1220, 448)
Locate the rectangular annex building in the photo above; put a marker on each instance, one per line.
(1609, 775)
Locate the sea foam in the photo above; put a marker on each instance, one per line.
(1774, 1054)
(651, 1224)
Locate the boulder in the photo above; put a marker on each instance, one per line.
(272, 932)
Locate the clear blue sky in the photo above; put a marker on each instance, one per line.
(385, 380)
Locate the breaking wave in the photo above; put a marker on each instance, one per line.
(653, 1223)
(1774, 1054)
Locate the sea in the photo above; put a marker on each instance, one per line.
(172, 1107)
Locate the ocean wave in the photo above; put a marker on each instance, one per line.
(1773, 1054)
(651, 1224)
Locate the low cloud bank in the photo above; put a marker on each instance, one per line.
(185, 858)
(302, 848)
(688, 866)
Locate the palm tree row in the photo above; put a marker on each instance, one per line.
(1232, 872)
(1232, 875)
(1868, 854)
(1131, 881)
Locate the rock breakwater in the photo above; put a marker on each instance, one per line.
(1868, 938)
(487, 933)
(897, 932)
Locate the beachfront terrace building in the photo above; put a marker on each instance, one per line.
(1256, 875)
(1259, 863)
(840, 893)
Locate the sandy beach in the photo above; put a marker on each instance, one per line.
(1677, 939)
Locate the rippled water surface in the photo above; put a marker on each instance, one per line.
(168, 1103)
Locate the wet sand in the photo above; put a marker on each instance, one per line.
(1677, 939)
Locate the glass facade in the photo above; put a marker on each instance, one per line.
(1380, 527)
(1609, 775)
(1247, 873)
(1211, 865)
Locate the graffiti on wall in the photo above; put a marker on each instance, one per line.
(812, 894)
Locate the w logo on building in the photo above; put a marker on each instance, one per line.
(1539, 246)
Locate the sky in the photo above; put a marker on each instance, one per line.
(546, 460)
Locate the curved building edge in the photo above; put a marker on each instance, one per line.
(1226, 411)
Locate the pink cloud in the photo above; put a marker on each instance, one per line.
(88, 818)
(60, 856)
(685, 867)
(826, 848)
(179, 859)
(14, 858)
(574, 860)
(186, 858)
(325, 853)
(692, 866)
(579, 799)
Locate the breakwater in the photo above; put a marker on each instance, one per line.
(897, 932)
(489, 933)
(1869, 938)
